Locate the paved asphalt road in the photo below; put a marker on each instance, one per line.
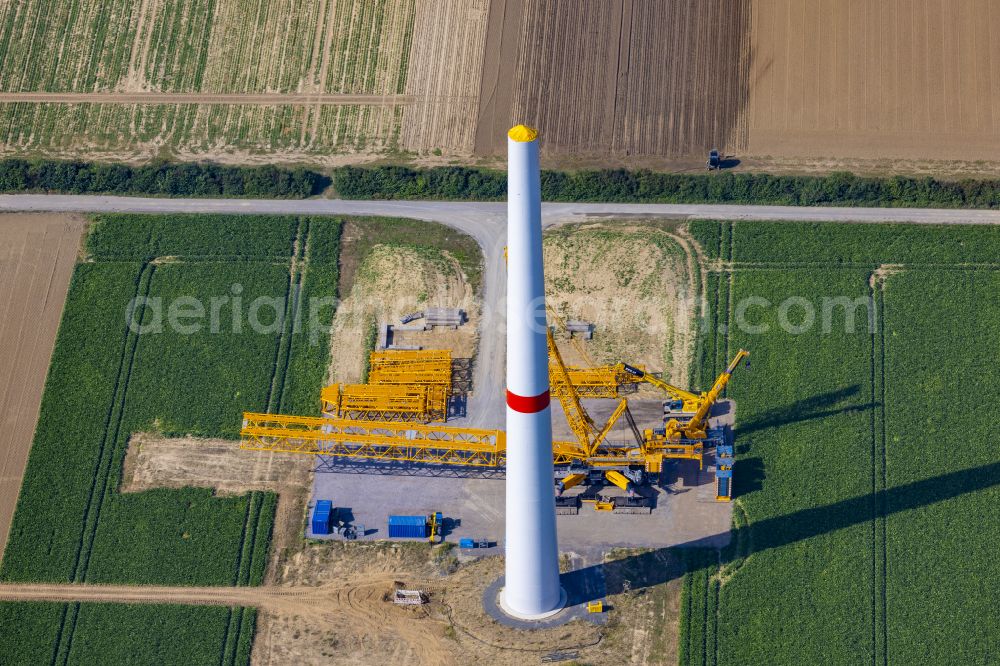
(486, 223)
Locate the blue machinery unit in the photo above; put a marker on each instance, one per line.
(416, 527)
(322, 517)
(724, 472)
(724, 462)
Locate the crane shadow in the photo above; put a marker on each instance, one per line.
(811, 409)
(653, 568)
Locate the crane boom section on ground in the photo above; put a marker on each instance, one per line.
(432, 444)
(371, 440)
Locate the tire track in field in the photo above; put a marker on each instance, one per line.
(112, 433)
(279, 378)
(113, 421)
(105, 455)
(878, 475)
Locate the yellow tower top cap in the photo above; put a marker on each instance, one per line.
(522, 133)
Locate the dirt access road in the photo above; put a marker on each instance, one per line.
(239, 99)
(37, 254)
(358, 606)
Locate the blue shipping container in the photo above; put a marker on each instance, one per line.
(466, 543)
(321, 517)
(407, 527)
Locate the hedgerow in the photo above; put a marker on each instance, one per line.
(160, 179)
(643, 186)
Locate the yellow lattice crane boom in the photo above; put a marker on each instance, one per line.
(385, 402)
(560, 386)
(385, 440)
(373, 440)
(683, 401)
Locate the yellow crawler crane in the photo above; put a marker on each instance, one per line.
(385, 402)
(388, 439)
(676, 431)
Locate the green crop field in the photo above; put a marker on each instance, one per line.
(868, 472)
(108, 380)
(125, 634)
(203, 47)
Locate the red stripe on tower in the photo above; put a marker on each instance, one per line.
(528, 404)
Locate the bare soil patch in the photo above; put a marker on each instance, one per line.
(393, 281)
(635, 284)
(332, 606)
(154, 461)
(37, 255)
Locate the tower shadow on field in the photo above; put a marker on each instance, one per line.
(660, 566)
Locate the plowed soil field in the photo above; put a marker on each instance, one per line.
(915, 80)
(622, 78)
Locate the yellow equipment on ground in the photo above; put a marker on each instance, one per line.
(390, 441)
(409, 357)
(570, 481)
(677, 432)
(600, 504)
(595, 606)
(385, 402)
(374, 422)
(424, 366)
(620, 480)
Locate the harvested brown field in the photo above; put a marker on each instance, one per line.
(158, 78)
(623, 78)
(37, 255)
(782, 85)
(446, 66)
(912, 80)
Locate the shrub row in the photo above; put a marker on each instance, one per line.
(643, 186)
(172, 180)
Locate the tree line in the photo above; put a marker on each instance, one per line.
(644, 186)
(160, 179)
(474, 184)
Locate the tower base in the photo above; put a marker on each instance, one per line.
(541, 616)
